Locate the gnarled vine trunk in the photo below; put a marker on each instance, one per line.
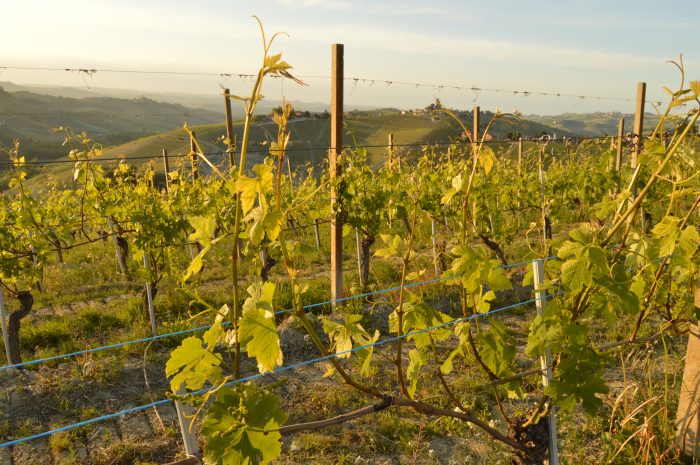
(26, 301)
(122, 253)
(365, 245)
(267, 264)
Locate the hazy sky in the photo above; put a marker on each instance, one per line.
(572, 47)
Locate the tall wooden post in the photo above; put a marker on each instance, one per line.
(229, 128)
(475, 128)
(520, 156)
(166, 168)
(688, 415)
(390, 148)
(337, 76)
(638, 122)
(620, 136)
(193, 154)
(637, 140)
(436, 253)
(149, 295)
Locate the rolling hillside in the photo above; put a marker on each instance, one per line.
(30, 118)
(309, 138)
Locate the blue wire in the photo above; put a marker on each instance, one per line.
(97, 349)
(201, 328)
(277, 371)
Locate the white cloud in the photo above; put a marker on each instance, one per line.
(488, 50)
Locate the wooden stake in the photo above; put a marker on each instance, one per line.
(546, 359)
(520, 156)
(318, 235)
(390, 148)
(229, 129)
(149, 296)
(193, 154)
(436, 254)
(638, 122)
(166, 168)
(688, 416)
(335, 171)
(620, 135)
(475, 128)
(358, 245)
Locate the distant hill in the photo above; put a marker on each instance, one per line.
(592, 124)
(30, 117)
(309, 138)
(211, 102)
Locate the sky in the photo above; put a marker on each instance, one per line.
(591, 48)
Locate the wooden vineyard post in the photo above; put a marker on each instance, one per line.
(390, 148)
(149, 295)
(638, 128)
(520, 156)
(193, 160)
(358, 244)
(436, 254)
(620, 135)
(3, 320)
(185, 418)
(229, 129)
(335, 171)
(688, 415)
(317, 233)
(166, 168)
(546, 359)
(637, 141)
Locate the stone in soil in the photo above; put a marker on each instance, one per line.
(77, 454)
(135, 426)
(167, 414)
(5, 455)
(31, 453)
(100, 439)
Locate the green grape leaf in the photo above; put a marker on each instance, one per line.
(364, 355)
(241, 427)
(416, 360)
(191, 365)
(578, 379)
(695, 88)
(581, 236)
(213, 335)
(575, 274)
(496, 349)
(598, 260)
(419, 316)
(461, 330)
(345, 336)
(487, 158)
(687, 243)
(196, 264)
(482, 302)
(204, 228)
(258, 331)
(667, 233)
(249, 188)
(497, 279)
